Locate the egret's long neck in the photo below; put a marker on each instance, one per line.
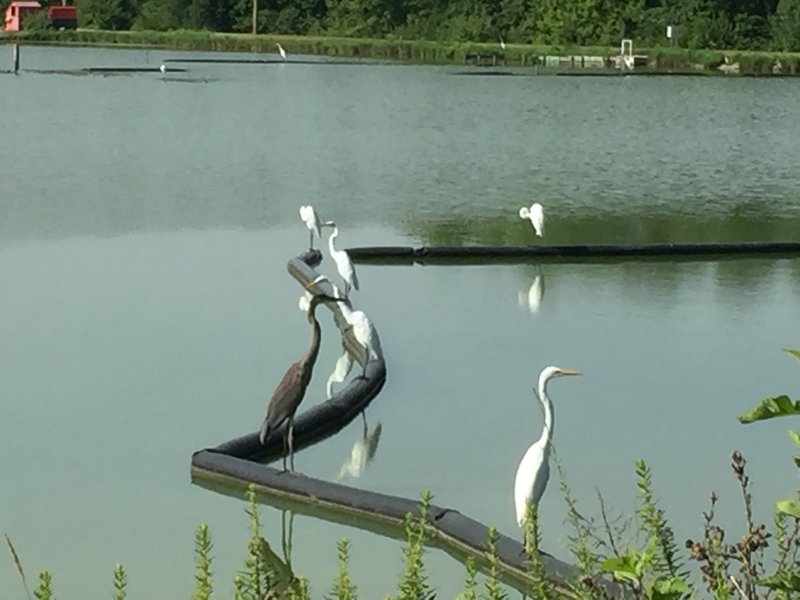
(331, 239)
(549, 415)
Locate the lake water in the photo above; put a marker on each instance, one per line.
(145, 309)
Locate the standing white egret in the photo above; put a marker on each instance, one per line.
(363, 330)
(536, 215)
(502, 43)
(343, 263)
(163, 69)
(282, 51)
(311, 219)
(534, 468)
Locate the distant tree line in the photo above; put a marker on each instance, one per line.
(741, 24)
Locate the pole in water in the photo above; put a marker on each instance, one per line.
(15, 50)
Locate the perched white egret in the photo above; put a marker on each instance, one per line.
(343, 263)
(311, 219)
(532, 297)
(344, 365)
(282, 51)
(362, 453)
(534, 469)
(363, 330)
(536, 215)
(502, 43)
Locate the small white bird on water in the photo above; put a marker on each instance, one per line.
(163, 69)
(343, 263)
(534, 469)
(536, 215)
(282, 51)
(312, 221)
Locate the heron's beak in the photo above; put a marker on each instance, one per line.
(569, 372)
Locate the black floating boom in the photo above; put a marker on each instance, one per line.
(429, 254)
(234, 464)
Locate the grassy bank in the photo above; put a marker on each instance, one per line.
(417, 51)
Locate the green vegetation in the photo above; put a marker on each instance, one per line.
(650, 567)
(713, 24)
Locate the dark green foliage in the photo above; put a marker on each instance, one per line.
(709, 24)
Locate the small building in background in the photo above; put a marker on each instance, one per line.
(59, 16)
(17, 11)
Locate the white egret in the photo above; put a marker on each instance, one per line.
(343, 263)
(502, 43)
(534, 468)
(363, 330)
(536, 215)
(341, 370)
(362, 453)
(163, 69)
(311, 219)
(282, 51)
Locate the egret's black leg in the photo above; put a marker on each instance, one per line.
(364, 418)
(285, 440)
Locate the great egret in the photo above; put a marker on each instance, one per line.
(292, 387)
(311, 219)
(534, 469)
(536, 215)
(341, 370)
(282, 51)
(343, 263)
(363, 330)
(362, 453)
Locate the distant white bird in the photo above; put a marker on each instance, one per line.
(536, 215)
(532, 297)
(343, 263)
(282, 51)
(534, 469)
(311, 219)
(502, 44)
(362, 453)
(163, 69)
(344, 365)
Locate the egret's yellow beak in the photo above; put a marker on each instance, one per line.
(570, 372)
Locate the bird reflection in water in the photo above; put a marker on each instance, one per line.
(532, 296)
(284, 582)
(363, 451)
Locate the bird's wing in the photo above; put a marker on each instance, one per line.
(284, 398)
(531, 479)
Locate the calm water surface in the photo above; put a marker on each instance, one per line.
(146, 312)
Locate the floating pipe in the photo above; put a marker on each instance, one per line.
(231, 467)
(432, 254)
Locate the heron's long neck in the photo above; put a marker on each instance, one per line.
(310, 356)
(549, 415)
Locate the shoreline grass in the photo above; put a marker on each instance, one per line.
(413, 51)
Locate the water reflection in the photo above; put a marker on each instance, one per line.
(341, 370)
(286, 584)
(363, 451)
(534, 294)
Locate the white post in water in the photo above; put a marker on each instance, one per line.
(15, 51)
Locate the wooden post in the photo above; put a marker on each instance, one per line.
(255, 15)
(15, 50)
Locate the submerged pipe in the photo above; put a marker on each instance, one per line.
(233, 465)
